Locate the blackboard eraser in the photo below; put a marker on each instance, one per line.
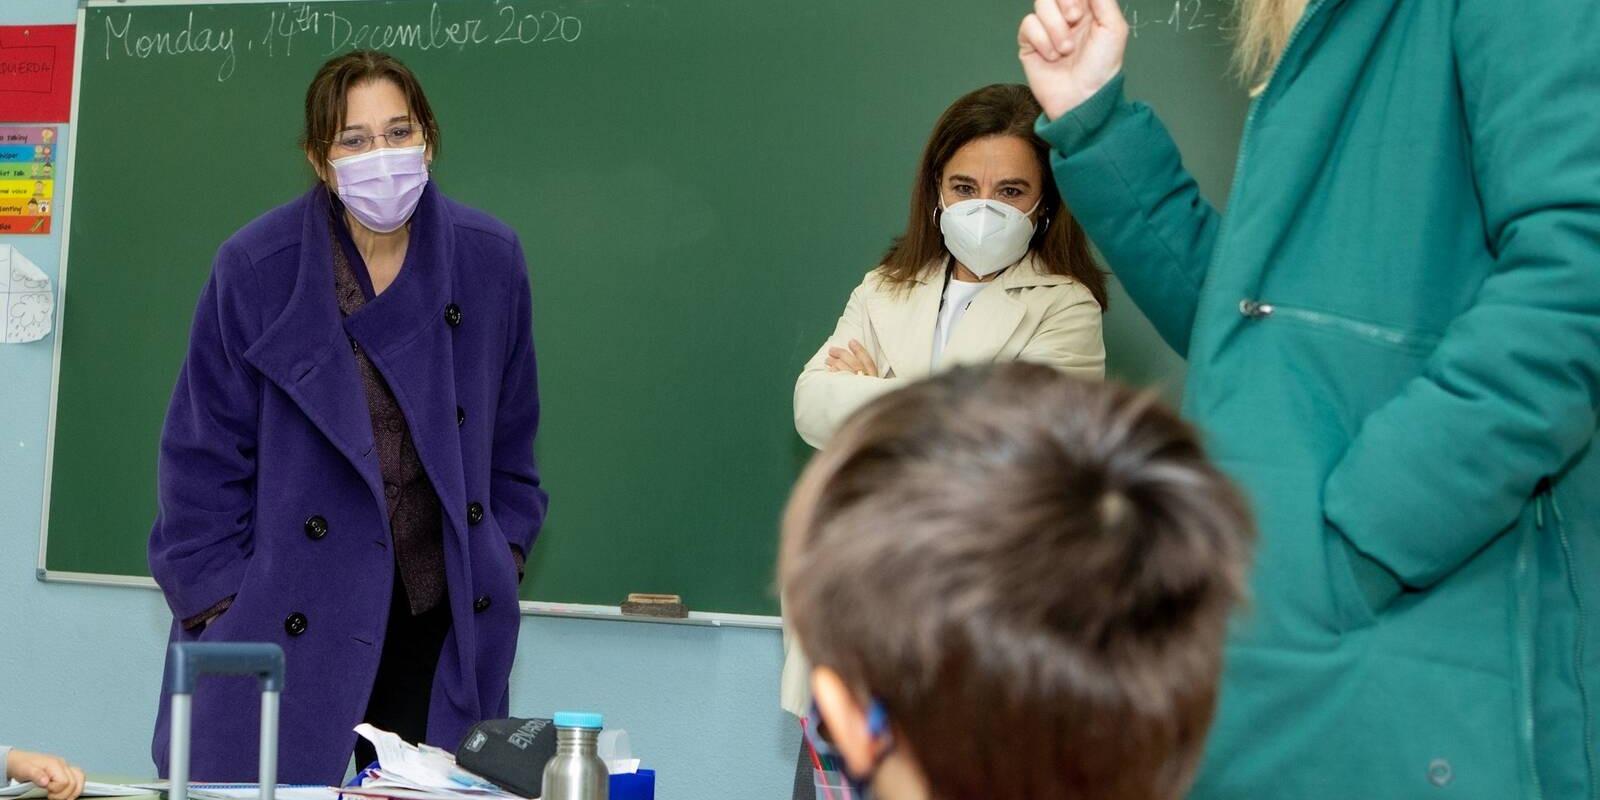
(666, 606)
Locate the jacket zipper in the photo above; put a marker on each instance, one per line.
(1250, 128)
(1580, 640)
(1525, 643)
(1256, 309)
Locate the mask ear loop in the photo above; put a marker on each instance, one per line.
(877, 721)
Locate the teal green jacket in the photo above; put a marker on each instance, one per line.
(1393, 339)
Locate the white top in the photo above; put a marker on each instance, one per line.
(958, 296)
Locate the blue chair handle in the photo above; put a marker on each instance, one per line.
(190, 660)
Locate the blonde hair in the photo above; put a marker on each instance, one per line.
(1263, 32)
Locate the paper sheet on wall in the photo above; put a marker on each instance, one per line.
(27, 303)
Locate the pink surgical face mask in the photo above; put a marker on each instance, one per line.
(381, 188)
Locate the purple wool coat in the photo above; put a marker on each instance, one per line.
(270, 489)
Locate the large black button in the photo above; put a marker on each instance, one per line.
(316, 527)
(474, 513)
(461, 416)
(295, 624)
(452, 315)
(481, 604)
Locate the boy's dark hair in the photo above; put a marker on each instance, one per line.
(1031, 573)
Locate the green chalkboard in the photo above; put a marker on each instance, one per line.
(697, 183)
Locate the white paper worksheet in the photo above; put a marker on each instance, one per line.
(28, 791)
(26, 300)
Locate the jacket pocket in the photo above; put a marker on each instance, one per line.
(1362, 588)
(1411, 341)
(499, 555)
(1343, 368)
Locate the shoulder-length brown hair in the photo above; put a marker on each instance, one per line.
(325, 98)
(1002, 109)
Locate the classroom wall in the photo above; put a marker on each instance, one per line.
(80, 666)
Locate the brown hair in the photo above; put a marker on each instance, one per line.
(325, 98)
(1030, 572)
(1002, 109)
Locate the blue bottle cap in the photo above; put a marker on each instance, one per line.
(575, 719)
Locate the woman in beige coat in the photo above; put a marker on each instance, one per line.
(992, 267)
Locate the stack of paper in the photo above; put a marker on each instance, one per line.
(241, 791)
(27, 791)
(408, 772)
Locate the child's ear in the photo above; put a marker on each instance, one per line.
(846, 720)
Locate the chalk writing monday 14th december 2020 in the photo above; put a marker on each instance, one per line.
(329, 29)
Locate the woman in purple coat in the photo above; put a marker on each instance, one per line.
(347, 464)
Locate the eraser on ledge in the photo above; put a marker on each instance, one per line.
(666, 606)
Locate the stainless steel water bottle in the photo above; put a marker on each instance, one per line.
(576, 772)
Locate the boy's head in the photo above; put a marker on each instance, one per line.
(1030, 574)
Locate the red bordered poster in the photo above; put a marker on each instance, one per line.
(36, 72)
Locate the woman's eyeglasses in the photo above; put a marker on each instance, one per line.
(398, 136)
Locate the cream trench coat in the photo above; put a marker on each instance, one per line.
(1022, 315)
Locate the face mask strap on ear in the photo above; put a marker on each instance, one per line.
(878, 730)
(877, 720)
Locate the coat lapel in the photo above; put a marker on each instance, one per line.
(306, 354)
(995, 314)
(406, 336)
(905, 324)
(986, 327)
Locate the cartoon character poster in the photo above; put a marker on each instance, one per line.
(27, 179)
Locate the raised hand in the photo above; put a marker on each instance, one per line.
(1070, 49)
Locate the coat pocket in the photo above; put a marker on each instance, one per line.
(1362, 588)
(503, 564)
(1343, 368)
(225, 627)
(1394, 337)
